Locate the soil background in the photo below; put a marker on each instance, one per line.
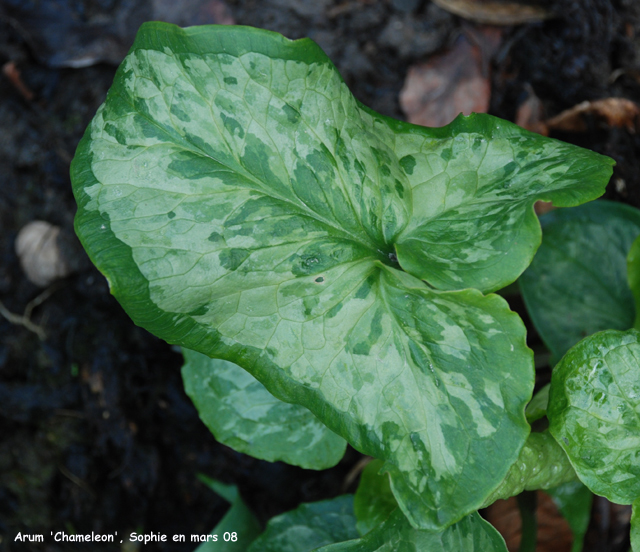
(96, 432)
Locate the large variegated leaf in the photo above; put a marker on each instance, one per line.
(243, 204)
(594, 412)
(470, 534)
(243, 415)
(577, 282)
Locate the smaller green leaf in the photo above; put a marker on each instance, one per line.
(309, 526)
(537, 407)
(374, 500)
(238, 520)
(542, 464)
(243, 415)
(594, 409)
(470, 534)
(574, 500)
(633, 276)
(635, 527)
(577, 282)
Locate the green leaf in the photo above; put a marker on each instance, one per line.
(594, 408)
(243, 204)
(633, 276)
(542, 464)
(309, 527)
(537, 408)
(471, 534)
(243, 415)
(374, 501)
(475, 182)
(635, 527)
(577, 282)
(238, 520)
(574, 500)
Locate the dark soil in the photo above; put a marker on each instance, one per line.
(96, 433)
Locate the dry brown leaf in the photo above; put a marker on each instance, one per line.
(494, 13)
(613, 112)
(554, 533)
(451, 83)
(530, 115)
(11, 71)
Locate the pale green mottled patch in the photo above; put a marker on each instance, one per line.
(243, 204)
(470, 534)
(243, 415)
(577, 282)
(594, 412)
(309, 527)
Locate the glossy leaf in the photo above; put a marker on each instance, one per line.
(239, 519)
(309, 527)
(577, 282)
(635, 527)
(633, 276)
(374, 502)
(594, 409)
(243, 415)
(542, 464)
(243, 204)
(476, 187)
(471, 534)
(574, 500)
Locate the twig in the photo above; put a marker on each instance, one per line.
(25, 319)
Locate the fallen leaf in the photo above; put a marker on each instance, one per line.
(62, 35)
(454, 82)
(530, 114)
(613, 112)
(11, 71)
(554, 533)
(494, 13)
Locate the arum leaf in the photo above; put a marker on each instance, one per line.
(471, 534)
(374, 501)
(574, 500)
(309, 527)
(243, 415)
(577, 282)
(635, 527)
(633, 276)
(238, 519)
(243, 204)
(594, 408)
(475, 182)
